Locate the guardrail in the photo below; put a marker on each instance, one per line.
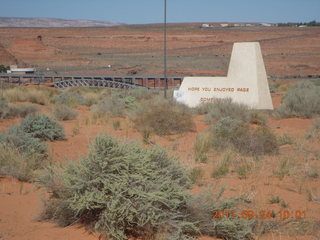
(93, 81)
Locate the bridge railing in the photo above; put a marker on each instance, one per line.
(149, 82)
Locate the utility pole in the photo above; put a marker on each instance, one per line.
(165, 49)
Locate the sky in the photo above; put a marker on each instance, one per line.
(152, 11)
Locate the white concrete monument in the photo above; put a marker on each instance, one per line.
(246, 81)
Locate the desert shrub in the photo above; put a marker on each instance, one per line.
(285, 139)
(222, 108)
(27, 109)
(7, 111)
(201, 209)
(11, 111)
(202, 146)
(163, 117)
(40, 126)
(116, 104)
(69, 98)
(63, 112)
(315, 129)
(20, 94)
(232, 133)
(124, 189)
(143, 93)
(26, 145)
(90, 98)
(301, 100)
(14, 163)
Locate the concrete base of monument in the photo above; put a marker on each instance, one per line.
(246, 81)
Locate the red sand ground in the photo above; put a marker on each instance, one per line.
(20, 203)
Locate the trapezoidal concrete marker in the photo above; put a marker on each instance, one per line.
(246, 82)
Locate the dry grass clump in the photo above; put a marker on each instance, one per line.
(163, 117)
(8, 111)
(63, 112)
(21, 154)
(21, 94)
(232, 133)
(206, 205)
(315, 129)
(225, 107)
(202, 146)
(13, 163)
(116, 104)
(301, 100)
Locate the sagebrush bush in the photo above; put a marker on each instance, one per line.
(232, 133)
(124, 189)
(163, 117)
(301, 100)
(42, 127)
(63, 112)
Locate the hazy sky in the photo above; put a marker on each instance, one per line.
(151, 11)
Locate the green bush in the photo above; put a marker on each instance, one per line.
(232, 133)
(163, 117)
(301, 100)
(42, 127)
(63, 112)
(121, 189)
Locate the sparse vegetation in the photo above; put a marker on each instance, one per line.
(315, 129)
(122, 189)
(202, 146)
(63, 112)
(202, 209)
(116, 125)
(283, 169)
(301, 100)
(275, 199)
(196, 174)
